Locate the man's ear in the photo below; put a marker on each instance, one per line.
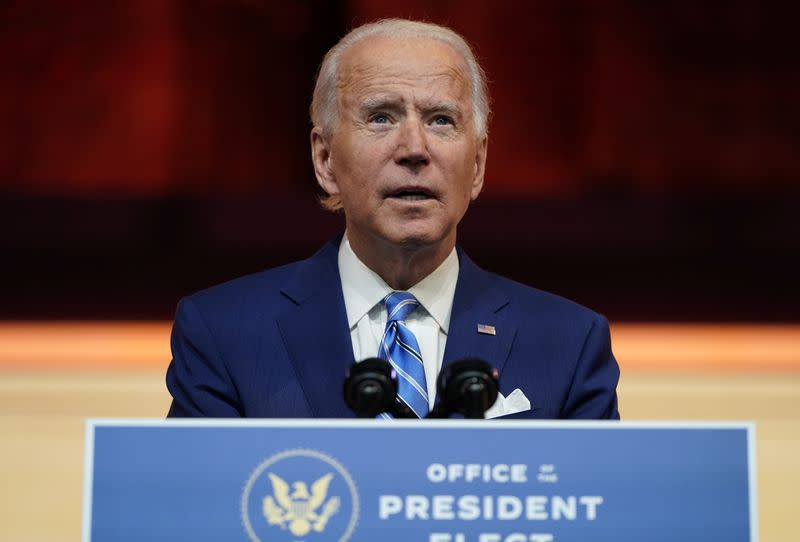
(321, 158)
(480, 167)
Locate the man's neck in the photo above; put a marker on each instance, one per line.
(401, 267)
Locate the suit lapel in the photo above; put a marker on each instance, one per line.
(478, 302)
(317, 337)
(316, 334)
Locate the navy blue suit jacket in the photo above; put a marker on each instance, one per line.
(277, 344)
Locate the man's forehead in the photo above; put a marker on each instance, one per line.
(397, 59)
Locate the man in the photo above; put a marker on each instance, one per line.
(399, 143)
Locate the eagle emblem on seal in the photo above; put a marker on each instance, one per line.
(297, 509)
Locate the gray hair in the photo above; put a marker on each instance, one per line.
(324, 105)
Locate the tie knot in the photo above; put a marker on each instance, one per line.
(399, 305)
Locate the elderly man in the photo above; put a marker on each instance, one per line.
(399, 144)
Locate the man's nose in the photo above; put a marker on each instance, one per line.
(412, 147)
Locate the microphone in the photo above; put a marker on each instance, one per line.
(468, 387)
(371, 388)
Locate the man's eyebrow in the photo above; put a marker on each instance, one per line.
(443, 107)
(380, 102)
(391, 103)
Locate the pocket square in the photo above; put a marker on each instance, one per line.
(505, 406)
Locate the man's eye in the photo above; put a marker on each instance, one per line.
(379, 119)
(442, 120)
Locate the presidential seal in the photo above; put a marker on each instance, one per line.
(300, 496)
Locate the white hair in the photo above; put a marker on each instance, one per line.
(324, 105)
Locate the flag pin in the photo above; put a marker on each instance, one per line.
(486, 329)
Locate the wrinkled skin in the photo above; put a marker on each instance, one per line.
(404, 157)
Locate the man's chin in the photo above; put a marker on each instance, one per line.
(417, 239)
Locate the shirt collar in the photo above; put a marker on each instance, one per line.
(363, 288)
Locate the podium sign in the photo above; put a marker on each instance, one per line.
(405, 481)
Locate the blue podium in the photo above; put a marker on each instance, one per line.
(431, 481)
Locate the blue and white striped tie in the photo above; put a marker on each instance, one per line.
(400, 348)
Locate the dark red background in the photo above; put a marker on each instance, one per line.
(643, 155)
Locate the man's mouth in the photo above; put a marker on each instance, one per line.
(414, 194)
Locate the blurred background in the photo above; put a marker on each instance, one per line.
(643, 160)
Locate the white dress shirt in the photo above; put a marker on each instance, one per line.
(364, 292)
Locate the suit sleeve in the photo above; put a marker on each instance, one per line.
(593, 392)
(197, 377)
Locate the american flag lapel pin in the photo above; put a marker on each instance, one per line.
(486, 329)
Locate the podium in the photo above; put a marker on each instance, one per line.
(431, 481)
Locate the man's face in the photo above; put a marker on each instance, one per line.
(404, 158)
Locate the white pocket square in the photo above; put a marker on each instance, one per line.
(505, 406)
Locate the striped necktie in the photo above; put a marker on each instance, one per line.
(400, 348)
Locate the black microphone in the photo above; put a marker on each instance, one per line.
(468, 387)
(371, 388)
